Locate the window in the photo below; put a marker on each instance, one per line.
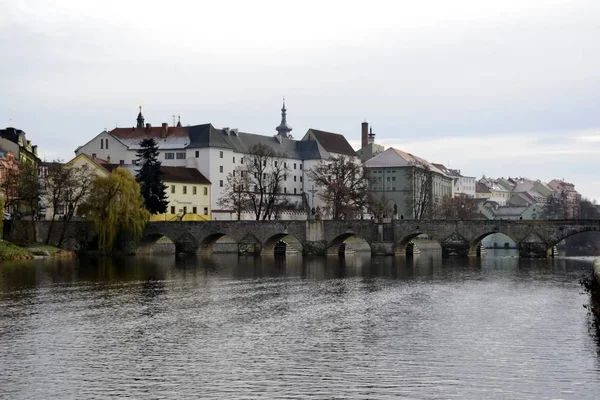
(205, 210)
(134, 162)
(264, 163)
(185, 210)
(206, 191)
(241, 173)
(181, 156)
(233, 172)
(284, 190)
(275, 164)
(388, 178)
(294, 190)
(242, 160)
(220, 168)
(169, 156)
(294, 165)
(172, 209)
(285, 177)
(221, 183)
(195, 210)
(194, 190)
(294, 178)
(172, 188)
(220, 154)
(300, 165)
(106, 144)
(394, 178)
(264, 176)
(300, 179)
(101, 144)
(121, 162)
(197, 154)
(184, 189)
(234, 160)
(284, 165)
(379, 179)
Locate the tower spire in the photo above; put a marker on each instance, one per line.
(283, 129)
(179, 120)
(140, 119)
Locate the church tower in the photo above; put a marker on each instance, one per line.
(284, 129)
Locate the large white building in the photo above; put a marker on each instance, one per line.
(217, 152)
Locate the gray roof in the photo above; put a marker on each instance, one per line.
(308, 149)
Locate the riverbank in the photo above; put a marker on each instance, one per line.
(11, 252)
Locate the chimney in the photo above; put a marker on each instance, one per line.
(164, 130)
(108, 159)
(148, 126)
(364, 134)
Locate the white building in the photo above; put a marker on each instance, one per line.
(217, 152)
(461, 185)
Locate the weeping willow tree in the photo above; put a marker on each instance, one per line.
(116, 205)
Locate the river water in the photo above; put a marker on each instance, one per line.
(363, 327)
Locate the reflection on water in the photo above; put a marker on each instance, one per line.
(239, 327)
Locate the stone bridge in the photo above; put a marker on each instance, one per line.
(534, 238)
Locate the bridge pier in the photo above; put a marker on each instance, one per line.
(534, 250)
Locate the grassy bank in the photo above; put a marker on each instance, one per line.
(10, 251)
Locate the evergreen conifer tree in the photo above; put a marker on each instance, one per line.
(149, 177)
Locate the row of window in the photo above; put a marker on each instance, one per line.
(185, 210)
(104, 144)
(194, 190)
(256, 189)
(171, 156)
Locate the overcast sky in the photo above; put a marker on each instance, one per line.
(502, 88)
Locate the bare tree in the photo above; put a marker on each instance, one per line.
(54, 184)
(257, 185)
(420, 199)
(76, 190)
(344, 186)
(556, 206)
(30, 191)
(458, 207)
(589, 209)
(236, 195)
(9, 186)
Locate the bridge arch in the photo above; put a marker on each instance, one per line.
(282, 243)
(406, 246)
(149, 242)
(475, 245)
(339, 245)
(208, 243)
(564, 233)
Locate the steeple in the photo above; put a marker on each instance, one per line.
(140, 119)
(179, 121)
(283, 129)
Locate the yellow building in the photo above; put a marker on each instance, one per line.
(188, 191)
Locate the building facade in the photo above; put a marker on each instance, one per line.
(216, 153)
(406, 186)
